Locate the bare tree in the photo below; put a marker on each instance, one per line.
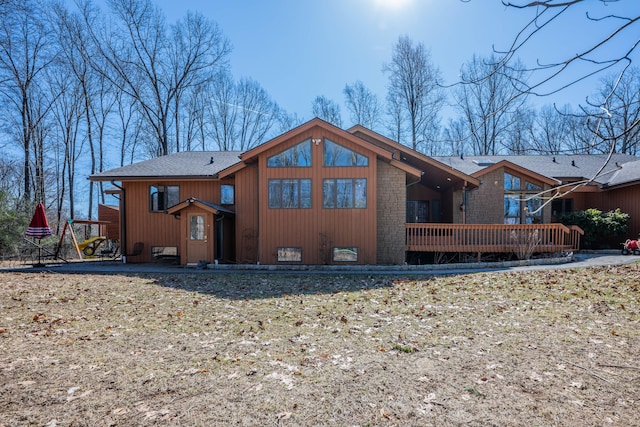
(198, 48)
(287, 121)
(612, 41)
(154, 65)
(26, 50)
(488, 101)
(257, 115)
(326, 109)
(240, 114)
(611, 46)
(415, 89)
(222, 111)
(67, 114)
(619, 124)
(193, 118)
(363, 105)
(553, 130)
(129, 126)
(395, 125)
(520, 135)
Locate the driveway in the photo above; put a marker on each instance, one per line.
(580, 260)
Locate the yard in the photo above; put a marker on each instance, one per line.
(509, 349)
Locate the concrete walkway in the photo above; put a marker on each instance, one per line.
(579, 260)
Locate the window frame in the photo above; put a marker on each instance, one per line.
(163, 192)
(300, 202)
(349, 153)
(523, 194)
(337, 250)
(281, 159)
(223, 200)
(296, 250)
(335, 196)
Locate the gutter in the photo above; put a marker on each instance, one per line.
(123, 223)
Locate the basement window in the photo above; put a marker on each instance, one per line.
(345, 254)
(289, 254)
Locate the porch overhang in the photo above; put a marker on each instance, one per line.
(204, 205)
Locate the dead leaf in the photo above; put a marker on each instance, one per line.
(284, 415)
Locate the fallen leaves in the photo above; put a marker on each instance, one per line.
(353, 348)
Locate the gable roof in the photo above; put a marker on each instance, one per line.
(571, 167)
(182, 165)
(512, 166)
(381, 152)
(207, 206)
(439, 172)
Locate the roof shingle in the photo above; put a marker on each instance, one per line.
(186, 164)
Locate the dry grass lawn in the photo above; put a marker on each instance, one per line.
(507, 349)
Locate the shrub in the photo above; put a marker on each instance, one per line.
(13, 223)
(597, 225)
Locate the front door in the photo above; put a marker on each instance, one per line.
(198, 237)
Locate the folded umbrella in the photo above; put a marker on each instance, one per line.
(39, 226)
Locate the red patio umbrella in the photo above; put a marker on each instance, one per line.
(39, 228)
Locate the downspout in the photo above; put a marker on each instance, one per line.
(123, 223)
(463, 207)
(416, 181)
(259, 236)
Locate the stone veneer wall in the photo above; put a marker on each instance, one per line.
(486, 203)
(391, 214)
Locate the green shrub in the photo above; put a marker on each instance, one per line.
(13, 224)
(597, 225)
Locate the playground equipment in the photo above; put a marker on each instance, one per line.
(89, 246)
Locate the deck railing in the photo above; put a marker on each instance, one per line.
(424, 237)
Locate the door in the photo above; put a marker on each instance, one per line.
(198, 237)
(417, 211)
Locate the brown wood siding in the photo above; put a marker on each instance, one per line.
(246, 185)
(157, 228)
(317, 230)
(627, 199)
(111, 214)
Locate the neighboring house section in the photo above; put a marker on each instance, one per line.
(322, 195)
(524, 183)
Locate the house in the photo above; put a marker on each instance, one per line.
(318, 194)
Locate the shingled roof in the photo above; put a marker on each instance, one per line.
(620, 169)
(186, 164)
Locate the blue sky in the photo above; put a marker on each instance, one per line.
(299, 49)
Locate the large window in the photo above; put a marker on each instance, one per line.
(290, 193)
(344, 193)
(162, 197)
(521, 203)
(297, 156)
(533, 203)
(337, 155)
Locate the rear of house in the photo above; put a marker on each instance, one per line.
(322, 195)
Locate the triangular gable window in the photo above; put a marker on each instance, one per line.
(337, 155)
(297, 156)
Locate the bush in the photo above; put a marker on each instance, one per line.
(597, 225)
(13, 223)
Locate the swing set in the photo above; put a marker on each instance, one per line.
(88, 247)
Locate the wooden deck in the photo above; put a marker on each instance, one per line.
(496, 238)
